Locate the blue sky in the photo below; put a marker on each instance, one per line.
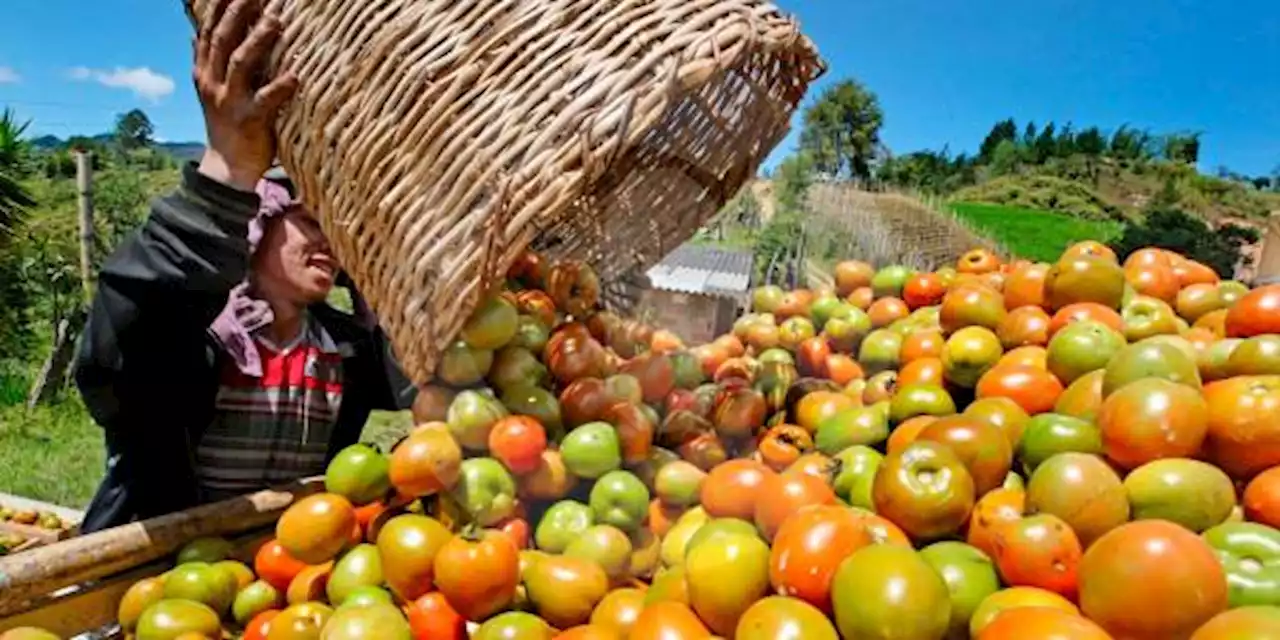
(945, 70)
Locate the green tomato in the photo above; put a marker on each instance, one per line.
(1250, 554)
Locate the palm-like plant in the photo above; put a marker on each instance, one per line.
(14, 150)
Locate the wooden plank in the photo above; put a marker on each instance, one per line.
(32, 575)
(92, 607)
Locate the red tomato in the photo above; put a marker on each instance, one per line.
(479, 577)
(431, 618)
(809, 548)
(1039, 551)
(275, 566)
(518, 442)
(259, 626)
(517, 529)
(1256, 313)
(923, 290)
(784, 494)
(1153, 580)
(730, 490)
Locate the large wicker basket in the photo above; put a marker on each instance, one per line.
(437, 139)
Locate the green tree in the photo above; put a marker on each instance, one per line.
(134, 130)
(1176, 230)
(1005, 159)
(1091, 142)
(1182, 147)
(14, 202)
(841, 132)
(1006, 129)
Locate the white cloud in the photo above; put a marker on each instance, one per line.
(8, 75)
(142, 81)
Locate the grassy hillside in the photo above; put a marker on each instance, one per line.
(1030, 233)
(1108, 189)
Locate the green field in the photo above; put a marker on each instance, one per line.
(1031, 234)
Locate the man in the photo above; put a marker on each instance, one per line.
(210, 358)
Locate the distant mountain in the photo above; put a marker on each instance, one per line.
(179, 150)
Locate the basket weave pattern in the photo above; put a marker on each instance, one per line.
(438, 139)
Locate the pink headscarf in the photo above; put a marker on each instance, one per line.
(233, 328)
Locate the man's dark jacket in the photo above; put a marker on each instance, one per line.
(148, 369)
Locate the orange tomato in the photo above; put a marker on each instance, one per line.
(978, 261)
(886, 311)
(782, 495)
(1147, 257)
(1024, 287)
(1262, 498)
(843, 369)
(478, 577)
(518, 442)
(1033, 388)
(923, 290)
(921, 371)
(1039, 551)
(904, 434)
(861, 297)
(1041, 623)
(1085, 311)
(1024, 326)
(1190, 272)
(922, 344)
(1214, 322)
(851, 275)
(317, 527)
(662, 517)
(1032, 356)
(731, 488)
(783, 444)
(808, 549)
(1156, 281)
(669, 621)
(1151, 579)
(1151, 418)
(1090, 248)
(971, 305)
(982, 448)
(994, 510)
(1012, 598)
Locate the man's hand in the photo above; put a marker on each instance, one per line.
(239, 109)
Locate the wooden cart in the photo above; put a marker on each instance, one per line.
(73, 587)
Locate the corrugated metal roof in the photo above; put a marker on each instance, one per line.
(703, 270)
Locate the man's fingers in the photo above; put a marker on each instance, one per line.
(205, 38)
(273, 96)
(251, 56)
(229, 34)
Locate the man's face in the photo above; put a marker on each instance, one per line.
(294, 259)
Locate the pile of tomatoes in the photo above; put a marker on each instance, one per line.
(1082, 450)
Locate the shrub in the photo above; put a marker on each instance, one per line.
(1046, 193)
(1176, 230)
